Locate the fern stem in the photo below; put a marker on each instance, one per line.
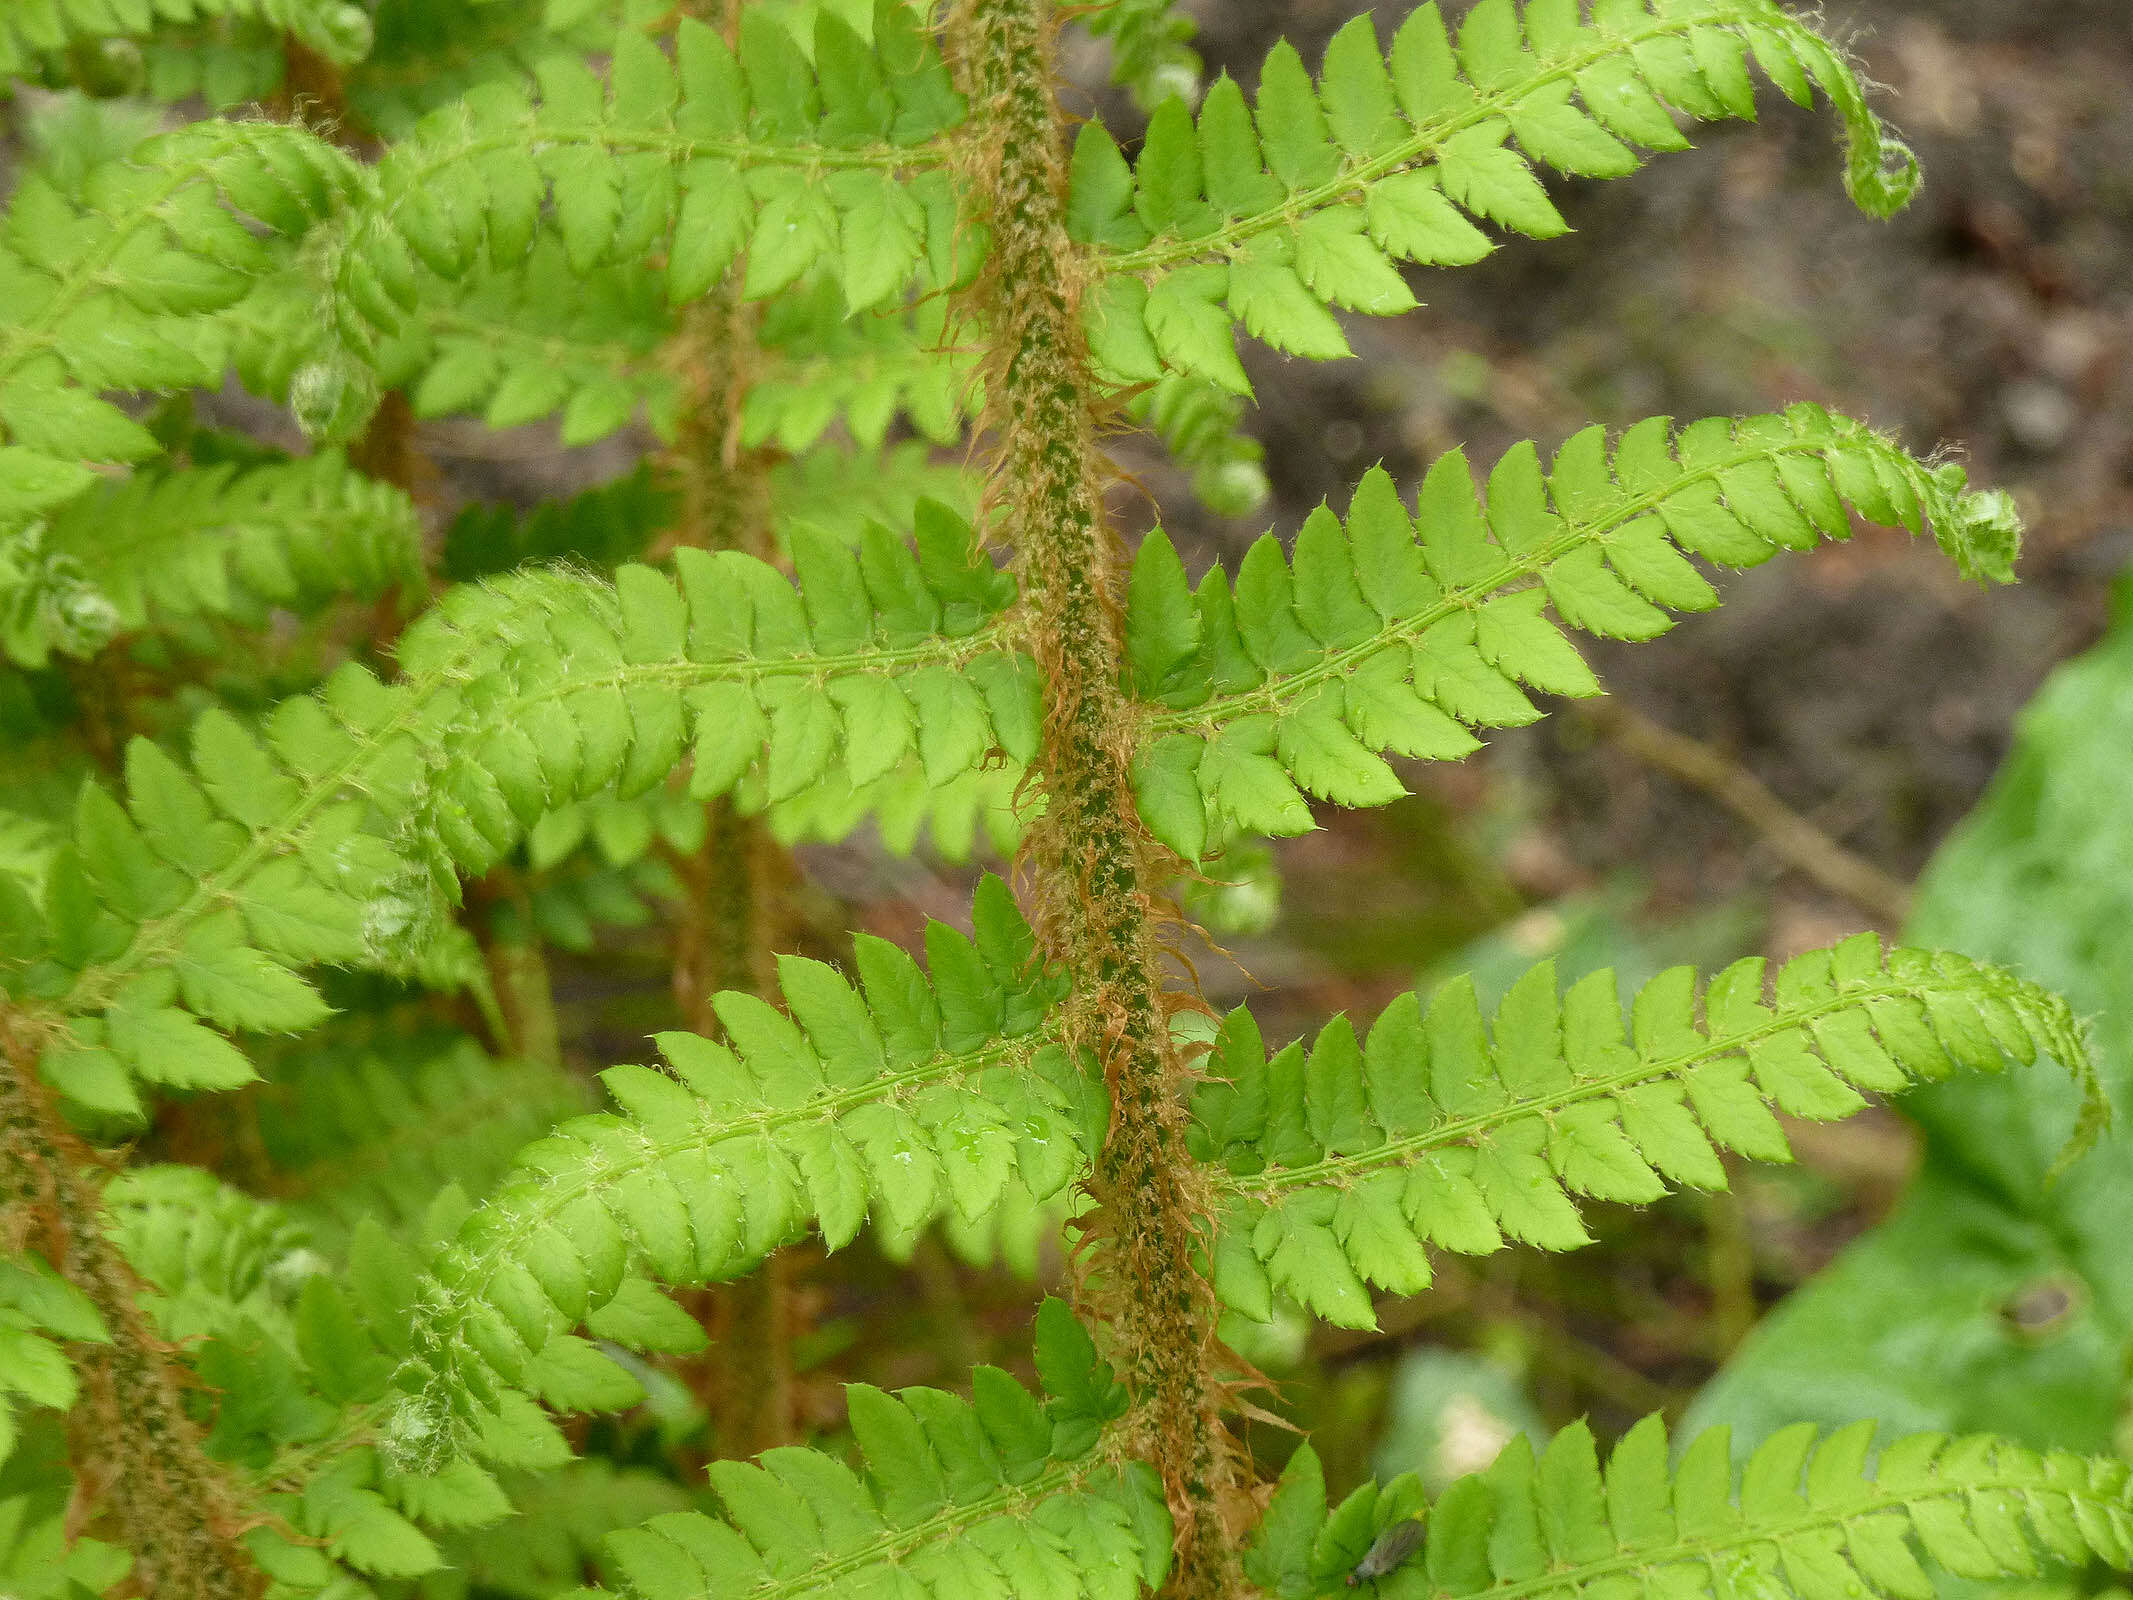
(519, 973)
(136, 1449)
(730, 923)
(312, 93)
(1095, 863)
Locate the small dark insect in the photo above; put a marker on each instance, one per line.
(1392, 1548)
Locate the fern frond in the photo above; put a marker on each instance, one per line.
(301, 1353)
(216, 1259)
(545, 339)
(914, 1097)
(105, 289)
(519, 345)
(102, 291)
(995, 1495)
(701, 157)
(1273, 216)
(335, 839)
(1392, 633)
(206, 542)
(1342, 1161)
(1809, 1517)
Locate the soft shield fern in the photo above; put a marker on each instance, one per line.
(312, 1241)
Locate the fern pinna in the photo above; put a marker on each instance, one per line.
(285, 920)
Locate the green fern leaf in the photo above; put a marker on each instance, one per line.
(1386, 158)
(105, 289)
(991, 1495)
(1395, 634)
(212, 542)
(723, 150)
(906, 1100)
(1340, 1163)
(517, 699)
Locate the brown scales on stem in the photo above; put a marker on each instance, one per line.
(138, 1452)
(1096, 866)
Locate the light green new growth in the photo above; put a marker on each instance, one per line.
(999, 1494)
(904, 1100)
(701, 157)
(106, 293)
(212, 542)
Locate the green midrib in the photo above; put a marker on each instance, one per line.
(1211, 715)
(602, 1171)
(159, 937)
